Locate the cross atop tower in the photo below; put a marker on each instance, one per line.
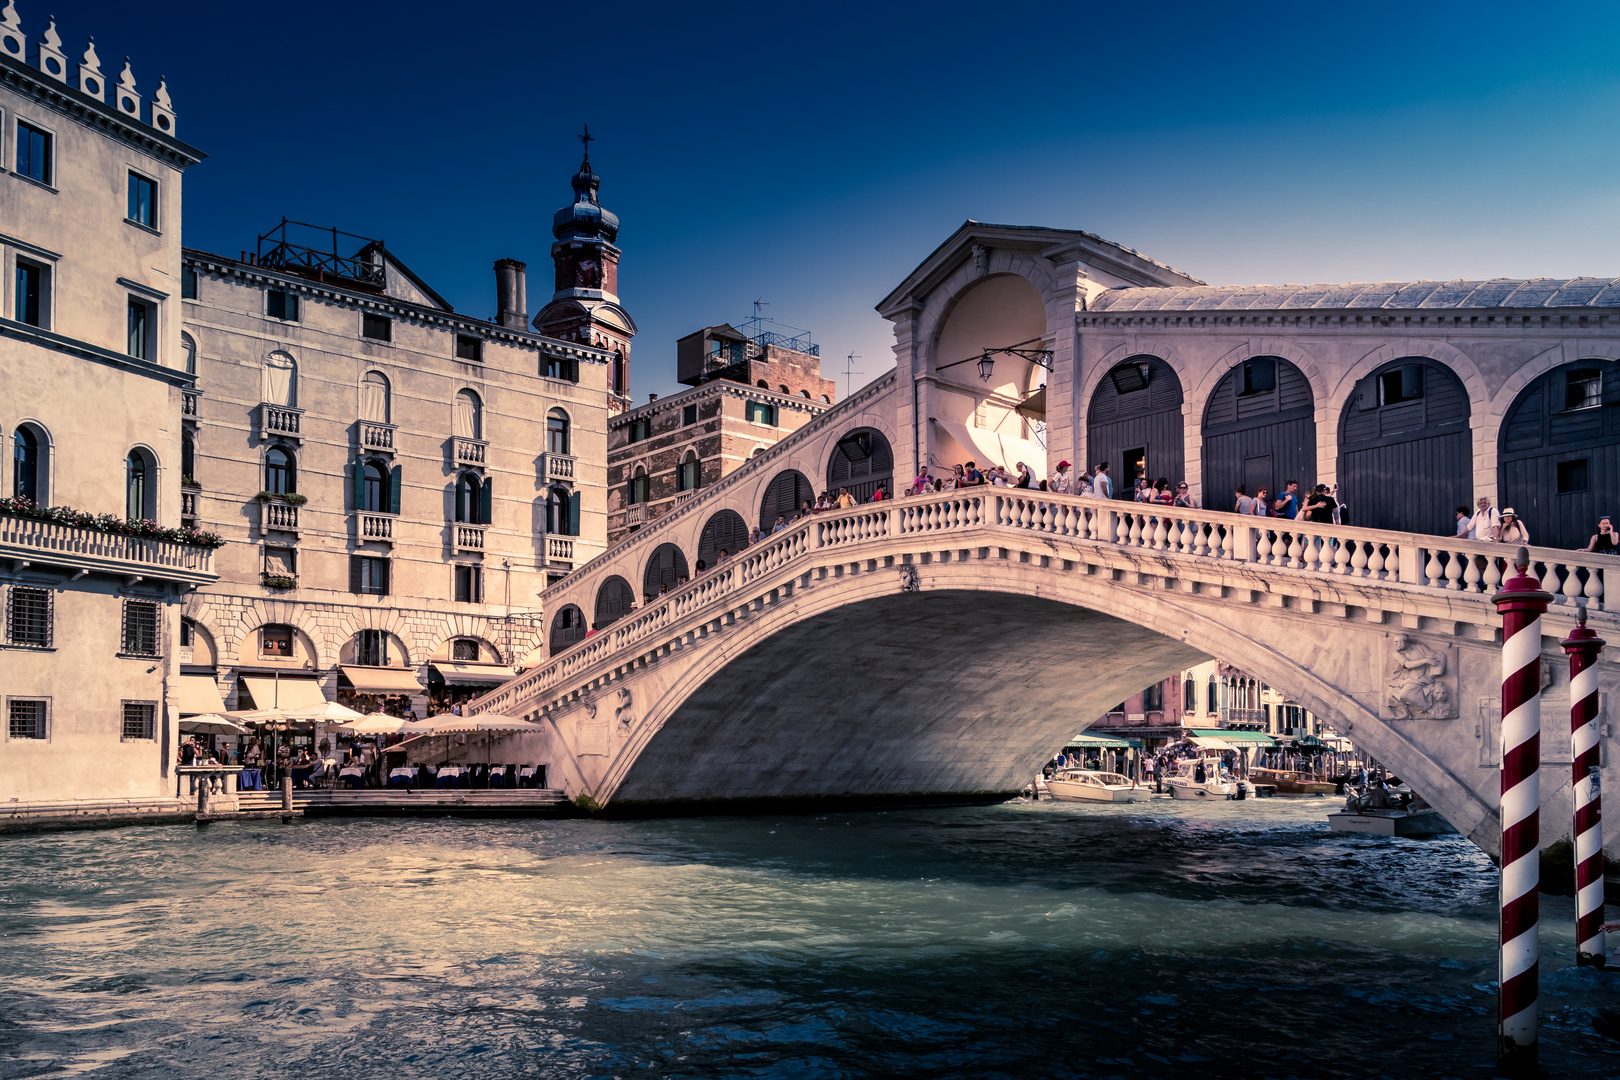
(586, 138)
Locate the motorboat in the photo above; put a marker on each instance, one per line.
(1085, 785)
(1205, 778)
(1289, 782)
(1381, 813)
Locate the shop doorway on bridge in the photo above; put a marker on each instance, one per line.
(1135, 423)
(567, 628)
(725, 530)
(862, 462)
(1405, 457)
(1558, 460)
(783, 497)
(666, 567)
(614, 600)
(1262, 409)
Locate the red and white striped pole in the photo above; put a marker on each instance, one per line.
(1521, 603)
(1583, 646)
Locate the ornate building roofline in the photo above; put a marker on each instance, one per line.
(717, 388)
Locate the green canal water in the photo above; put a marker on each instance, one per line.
(1021, 940)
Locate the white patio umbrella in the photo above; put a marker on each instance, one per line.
(212, 724)
(448, 724)
(373, 724)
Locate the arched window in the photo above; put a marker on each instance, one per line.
(725, 531)
(639, 490)
(562, 512)
(567, 628)
(1189, 697)
(763, 385)
(557, 432)
(140, 486)
(27, 471)
(786, 493)
(374, 397)
(614, 600)
(1212, 698)
(862, 462)
(374, 488)
(188, 458)
(805, 394)
(686, 474)
(783, 389)
(825, 400)
(280, 471)
(280, 380)
(667, 566)
(469, 415)
(188, 348)
(469, 492)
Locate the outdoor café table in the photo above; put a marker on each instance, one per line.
(525, 773)
(497, 776)
(300, 775)
(449, 776)
(250, 780)
(354, 774)
(406, 774)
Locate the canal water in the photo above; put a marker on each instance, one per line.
(1021, 940)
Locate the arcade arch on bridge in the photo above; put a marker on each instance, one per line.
(567, 628)
(1135, 423)
(861, 461)
(724, 531)
(1558, 459)
(666, 568)
(787, 490)
(1259, 431)
(614, 600)
(1405, 455)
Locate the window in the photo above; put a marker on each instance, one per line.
(26, 719)
(1153, 698)
(468, 415)
(470, 590)
(280, 471)
(28, 617)
(639, 489)
(760, 412)
(25, 462)
(374, 397)
(469, 348)
(1259, 375)
(31, 304)
(33, 152)
(473, 499)
(1405, 383)
(141, 637)
(280, 304)
(1189, 697)
(376, 327)
(560, 367)
(1583, 389)
(556, 432)
(188, 283)
(186, 631)
(1212, 698)
(1573, 476)
(464, 649)
(138, 717)
(280, 381)
(368, 575)
(142, 201)
(142, 329)
(188, 458)
(688, 415)
(562, 512)
(188, 346)
(686, 475)
(640, 430)
(374, 484)
(276, 641)
(140, 487)
(371, 648)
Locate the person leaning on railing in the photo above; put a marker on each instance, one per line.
(1512, 530)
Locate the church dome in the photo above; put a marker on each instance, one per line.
(585, 219)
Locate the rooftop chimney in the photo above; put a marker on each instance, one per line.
(511, 294)
(652, 397)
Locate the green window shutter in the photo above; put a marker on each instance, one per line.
(354, 573)
(573, 514)
(394, 479)
(359, 470)
(486, 501)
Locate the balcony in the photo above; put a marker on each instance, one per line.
(635, 514)
(1244, 719)
(280, 422)
(278, 515)
(31, 542)
(377, 438)
(378, 528)
(468, 451)
(558, 468)
(559, 549)
(469, 537)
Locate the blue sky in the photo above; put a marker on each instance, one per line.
(813, 154)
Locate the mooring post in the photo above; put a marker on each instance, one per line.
(1583, 646)
(286, 793)
(1521, 603)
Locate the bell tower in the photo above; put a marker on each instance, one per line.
(585, 304)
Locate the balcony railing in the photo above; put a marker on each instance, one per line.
(469, 451)
(375, 527)
(188, 504)
(1244, 719)
(469, 537)
(188, 403)
(559, 468)
(279, 515)
(559, 549)
(635, 514)
(280, 421)
(50, 543)
(377, 437)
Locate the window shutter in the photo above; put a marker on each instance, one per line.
(486, 501)
(394, 480)
(354, 573)
(359, 471)
(384, 567)
(573, 514)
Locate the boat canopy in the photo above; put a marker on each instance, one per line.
(1252, 738)
(1085, 741)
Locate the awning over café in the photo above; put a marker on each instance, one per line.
(197, 694)
(381, 680)
(470, 674)
(1091, 741)
(1251, 738)
(283, 693)
(1206, 743)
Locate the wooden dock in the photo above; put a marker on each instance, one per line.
(396, 802)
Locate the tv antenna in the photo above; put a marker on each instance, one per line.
(850, 372)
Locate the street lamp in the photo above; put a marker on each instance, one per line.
(987, 364)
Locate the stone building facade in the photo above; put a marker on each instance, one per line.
(91, 385)
(743, 397)
(398, 481)
(1209, 696)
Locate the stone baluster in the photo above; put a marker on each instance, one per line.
(1454, 571)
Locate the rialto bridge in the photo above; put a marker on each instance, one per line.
(943, 645)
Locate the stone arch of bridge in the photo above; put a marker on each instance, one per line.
(1032, 654)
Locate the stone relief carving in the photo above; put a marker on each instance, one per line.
(910, 581)
(1420, 681)
(981, 260)
(621, 712)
